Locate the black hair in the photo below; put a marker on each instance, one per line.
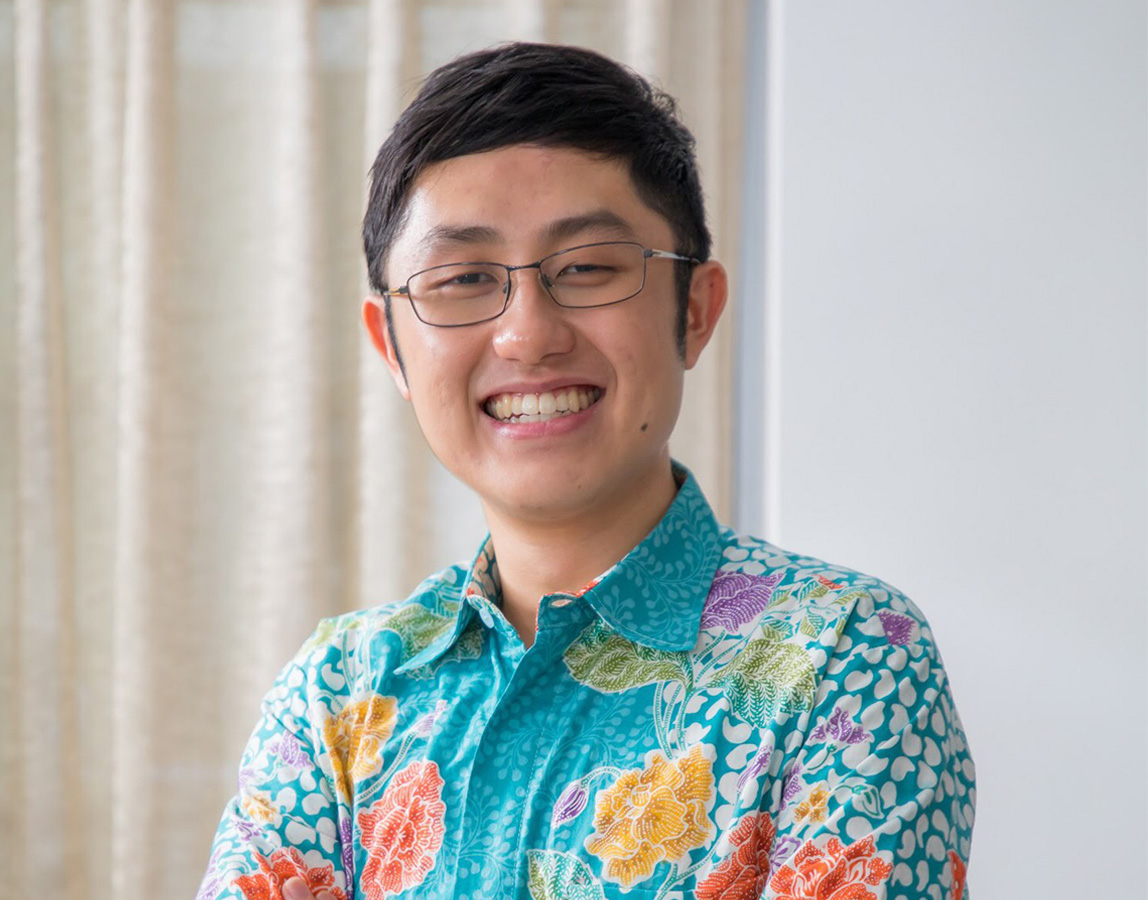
(552, 96)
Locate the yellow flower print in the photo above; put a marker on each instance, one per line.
(653, 814)
(815, 807)
(259, 808)
(355, 737)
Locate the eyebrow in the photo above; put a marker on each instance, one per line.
(559, 229)
(598, 220)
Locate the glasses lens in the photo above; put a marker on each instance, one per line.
(595, 275)
(458, 294)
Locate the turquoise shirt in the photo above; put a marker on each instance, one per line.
(713, 717)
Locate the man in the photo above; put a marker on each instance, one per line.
(618, 697)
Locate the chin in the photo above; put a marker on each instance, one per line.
(541, 500)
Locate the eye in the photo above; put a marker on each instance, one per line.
(467, 279)
(445, 279)
(594, 266)
(582, 268)
(458, 282)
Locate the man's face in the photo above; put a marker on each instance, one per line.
(516, 205)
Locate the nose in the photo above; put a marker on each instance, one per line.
(533, 327)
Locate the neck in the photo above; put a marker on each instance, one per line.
(536, 557)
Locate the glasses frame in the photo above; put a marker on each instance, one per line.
(508, 290)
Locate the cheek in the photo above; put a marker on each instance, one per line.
(655, 388)
(439, 373)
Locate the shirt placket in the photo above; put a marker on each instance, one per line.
(502, 813)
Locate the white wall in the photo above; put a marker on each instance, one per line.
(962, 401)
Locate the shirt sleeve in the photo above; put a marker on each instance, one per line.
(284, 820)
(881, 794)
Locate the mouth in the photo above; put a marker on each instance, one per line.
(522, 408)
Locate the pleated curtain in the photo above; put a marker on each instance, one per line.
(200, 455)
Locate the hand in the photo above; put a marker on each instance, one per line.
(296, 889)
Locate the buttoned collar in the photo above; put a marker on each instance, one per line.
(653, 596)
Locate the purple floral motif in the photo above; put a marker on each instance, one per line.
(246, 829)
(571, 803)
(736, 598)
(425, 725)
(757, 764)
(247, 777)
(785, 847)
(793, 785)
(841, 729)
(290, 752)
(345, 838)
(898, 627)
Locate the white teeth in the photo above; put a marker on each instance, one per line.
(543, 406)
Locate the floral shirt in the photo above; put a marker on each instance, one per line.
(713, 717)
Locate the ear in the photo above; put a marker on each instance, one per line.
(375, 320)
(709, 288)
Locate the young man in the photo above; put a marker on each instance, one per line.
(618, 697)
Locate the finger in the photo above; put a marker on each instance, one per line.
(325, 895)
(296, 889)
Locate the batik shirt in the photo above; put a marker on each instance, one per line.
(713, 717)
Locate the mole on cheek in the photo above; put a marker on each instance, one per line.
(645, 425)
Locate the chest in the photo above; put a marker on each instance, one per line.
(585, 767)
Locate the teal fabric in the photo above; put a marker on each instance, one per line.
(713, 717)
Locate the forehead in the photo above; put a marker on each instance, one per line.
(524, 196)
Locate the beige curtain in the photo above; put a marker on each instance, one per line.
(199, 455)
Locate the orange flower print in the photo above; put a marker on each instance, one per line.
(815, 807)
(402, 831)
(744, 873)
(957, 891)
(285, 863)
(259, 807)
(653, 814)
(832, 872)
(355, 738)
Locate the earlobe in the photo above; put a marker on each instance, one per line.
(375, 321)
(709, 289)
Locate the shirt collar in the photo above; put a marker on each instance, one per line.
(653, 596)
(480, 584)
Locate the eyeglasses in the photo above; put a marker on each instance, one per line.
(578, 278)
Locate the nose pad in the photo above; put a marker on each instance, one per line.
(538, 329)
(522, 273)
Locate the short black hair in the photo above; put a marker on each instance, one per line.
(552, 96)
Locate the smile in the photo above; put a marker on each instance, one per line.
(515, 408)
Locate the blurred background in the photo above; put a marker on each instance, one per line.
(934, 369)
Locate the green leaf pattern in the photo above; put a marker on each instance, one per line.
(767, 678)
(417, 628)
(812, 625)
(555, 875)
(608, 662)
(468, 646)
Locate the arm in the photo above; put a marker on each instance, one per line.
(284, 822)
(881, 794)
